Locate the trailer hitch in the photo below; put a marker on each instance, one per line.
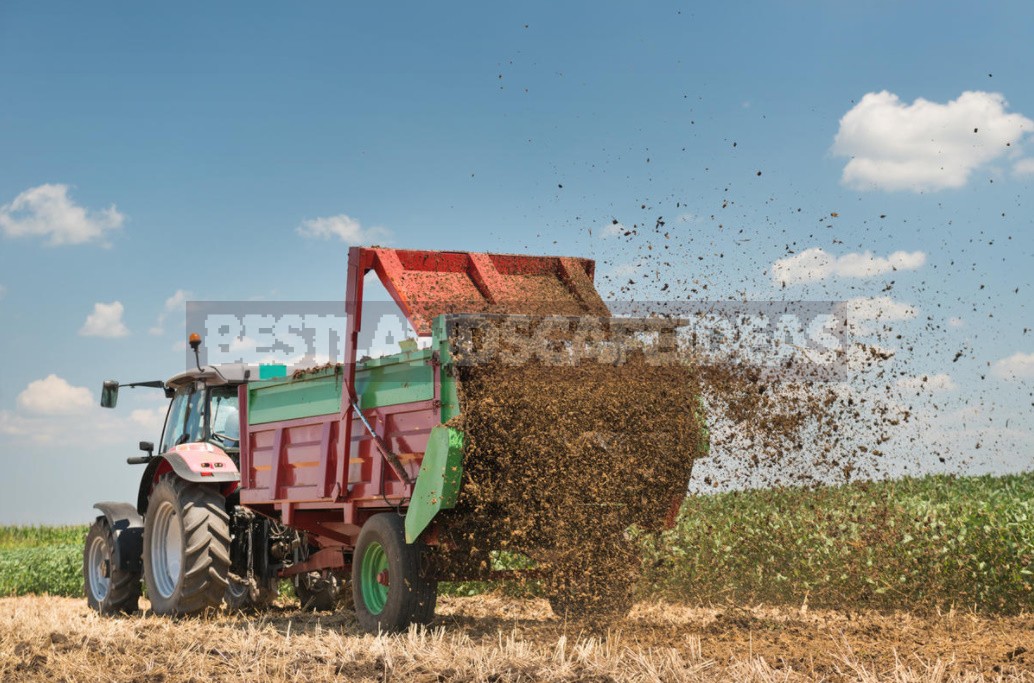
(249, 576)
(382, 445)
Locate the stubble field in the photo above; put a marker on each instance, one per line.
(494, 638)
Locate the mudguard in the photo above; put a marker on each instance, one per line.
(201, 462)
(127, 527)
(438, 484)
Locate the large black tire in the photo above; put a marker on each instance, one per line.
(109, 590)
(186, 547)
(389, 586)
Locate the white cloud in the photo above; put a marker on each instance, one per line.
(105, 321)
(878, 308)
(861, 312)
(816, 264)
(150, 420)
(924, 145)
(612, 229)
(1023, 167)
(47, 211)
(956, 322)
(12, 424)
(54, 396)
(345, 228)
(99, 426)
(172, 304)
(1016, 366)
(929, 383)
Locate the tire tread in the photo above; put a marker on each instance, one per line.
(415, 604)
(206, 556)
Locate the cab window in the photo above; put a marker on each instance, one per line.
(185, 420)
(224, 420)
(195, 418)
(176, 418)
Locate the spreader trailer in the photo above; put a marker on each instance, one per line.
(527, 410)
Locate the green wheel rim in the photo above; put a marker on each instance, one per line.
(374, 563)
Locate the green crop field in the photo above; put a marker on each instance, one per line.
(932, 542)
(41, 560)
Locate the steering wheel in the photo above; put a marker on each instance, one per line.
(226, 439)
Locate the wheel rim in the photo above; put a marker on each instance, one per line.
(166, 549)
(374, 578)
(99, 584)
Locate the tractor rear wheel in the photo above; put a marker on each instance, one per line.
(109, 589)
(389, 586)
(186, 547)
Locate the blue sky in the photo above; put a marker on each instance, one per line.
(147, 151)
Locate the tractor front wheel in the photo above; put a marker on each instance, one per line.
(389, 587)
(109, 589)
(186, 547)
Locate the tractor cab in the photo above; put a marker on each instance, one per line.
(204, 407)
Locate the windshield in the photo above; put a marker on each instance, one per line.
(224, 422)
(182, 423)
(192, 419)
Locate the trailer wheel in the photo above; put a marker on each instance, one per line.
(109, 590)
(186, 547)
(389, 587)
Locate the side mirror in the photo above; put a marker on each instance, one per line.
(109, 393)
(147, 447)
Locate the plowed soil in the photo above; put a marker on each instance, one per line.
(490, 638)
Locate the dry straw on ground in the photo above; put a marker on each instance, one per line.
(490, 638)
